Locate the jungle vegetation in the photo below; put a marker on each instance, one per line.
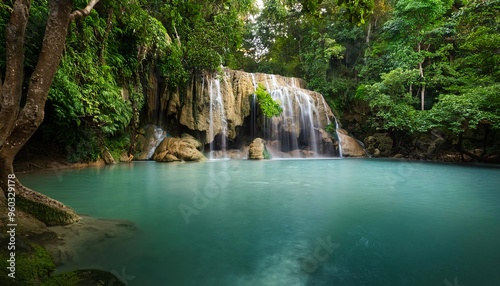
(417, 66)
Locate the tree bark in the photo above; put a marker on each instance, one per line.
(12, 85)
(85, 11)
(421, 70)
(18, 125)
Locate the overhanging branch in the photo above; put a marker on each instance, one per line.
(85, 11)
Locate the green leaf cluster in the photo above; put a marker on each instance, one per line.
(267, 104)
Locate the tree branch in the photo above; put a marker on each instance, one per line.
(31, 116)
(14, 53)
(83, 12)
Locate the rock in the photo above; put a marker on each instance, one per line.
(379, 144)
(147, 142)
(327, 146)
(195, 112)
(107, 157)
(124, 157)
(350, 146)
(427, 145)
(177, 149)
(257, 150)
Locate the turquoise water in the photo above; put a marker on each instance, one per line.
(291, 222)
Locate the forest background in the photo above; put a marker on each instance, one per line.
(408, 69)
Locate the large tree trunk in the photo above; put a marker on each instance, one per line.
(18, 125)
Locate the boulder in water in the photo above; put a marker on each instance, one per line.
(350, 146)
(257, 150)
(177, 149)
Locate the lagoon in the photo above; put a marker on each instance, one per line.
(290, 222)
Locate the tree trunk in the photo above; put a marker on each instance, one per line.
(368, 34)
(18, 125)
(422, 91)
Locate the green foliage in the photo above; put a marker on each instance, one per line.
(269, 107)
(208, 33)
(357, 11)
(459, 113)
(393, 104)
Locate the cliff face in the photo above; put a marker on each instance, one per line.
(214, 105)
(222, 113)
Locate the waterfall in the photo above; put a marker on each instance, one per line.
(253, 113)
(217, 115)
(338, 137)
(296, 127)
(154, 140)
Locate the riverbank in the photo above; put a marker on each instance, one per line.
(40, 249)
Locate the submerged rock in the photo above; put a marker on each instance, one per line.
(178, 149)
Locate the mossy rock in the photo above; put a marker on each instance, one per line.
(84, 277)
(45, 213)
(33, 264)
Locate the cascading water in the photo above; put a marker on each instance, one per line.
(155, 139)
(339, 138)
(253, 122)
(296, 127)
(217, 112)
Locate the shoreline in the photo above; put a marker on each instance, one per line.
(56, 165)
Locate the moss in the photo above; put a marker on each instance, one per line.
(33, 264)
(83, 278)
(64, 279)
(44, 213)
(267, 155)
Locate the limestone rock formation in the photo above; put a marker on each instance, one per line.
(177, 149)
(379, 144)
(107, 157)
(231, 94)
(257, 150)
(150, 137)
(350, 146)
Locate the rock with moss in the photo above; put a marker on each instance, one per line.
(257, 150)
(44, 208)
(34, 265)
(379, 144)
(84, 277)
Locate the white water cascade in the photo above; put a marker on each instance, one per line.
(297, 126)
(217, 112)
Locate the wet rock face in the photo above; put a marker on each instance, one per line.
(178, 149)
(379, 144)
(107, 157)
(350, 146)
(213, 105)
(428, 145)
(149, 138)
(257, 149)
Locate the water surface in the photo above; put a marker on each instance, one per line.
(291, 222)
